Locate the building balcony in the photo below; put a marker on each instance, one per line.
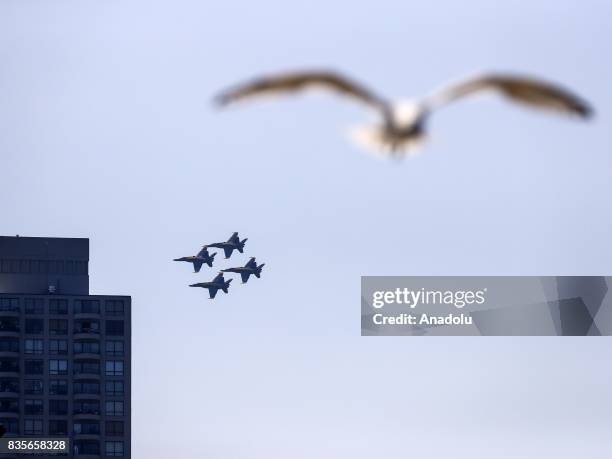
(9, 313)
(85, 333)
(87, 436)
(93, 415)
(10, 393)
(87, 355)
(9, 354)
(9, 332)
(84, 396)
(9, 371)
(86, 315)
(85, 375)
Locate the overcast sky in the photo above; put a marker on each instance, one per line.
(107, 132)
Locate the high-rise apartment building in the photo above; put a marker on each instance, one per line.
(64, 354)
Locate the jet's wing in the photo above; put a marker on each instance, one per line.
(197, 264)
(233, 238)
(228, 251)
(203, 253)
(212, 291)
(245, 277)
(251, 263)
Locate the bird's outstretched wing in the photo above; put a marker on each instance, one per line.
(524, 90)
(292, 82)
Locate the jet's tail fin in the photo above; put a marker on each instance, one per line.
(227, 284)
(241, 245)
(211, 259)
(259, 268)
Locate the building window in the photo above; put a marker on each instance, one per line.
(114, 428)
(86, 307)
(34, 305)
(86, 387)
(114, 348)
(56, 266)
(114, 448)
(58, 367)
(114, 368)
(87, 326)
(34, 366)
(9, 345)
(80, 267)
(114, 308)
(86, 367)
(8, 405)
(10, 425)
(9, 365)
(33, 406)
(86, 407)
(87, 427)
(58, 387)
(58, 407)
(32, 386)
(33, 346)
(9, 304)
(24, 266)
(34, 326)
(114, 387)
(9, 324)
(33, 427)
(114, 408)
(58, 347)
(58, 427)
(9, 385)
(58, 327)
(86, 347)
(114, 327)
(57, 306)
(86, 447)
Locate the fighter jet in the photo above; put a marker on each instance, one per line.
(233, 243)
(218, 283)
(246, 270)
(199, 259)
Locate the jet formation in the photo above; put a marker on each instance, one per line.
(219, 282)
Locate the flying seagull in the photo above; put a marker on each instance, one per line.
(403, 124)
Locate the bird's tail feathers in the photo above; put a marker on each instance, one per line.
(376, 141)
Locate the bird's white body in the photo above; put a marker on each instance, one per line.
(400, 134)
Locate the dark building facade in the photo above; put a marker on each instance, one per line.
(64, 354)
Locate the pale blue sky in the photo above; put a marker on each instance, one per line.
(107, 132)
